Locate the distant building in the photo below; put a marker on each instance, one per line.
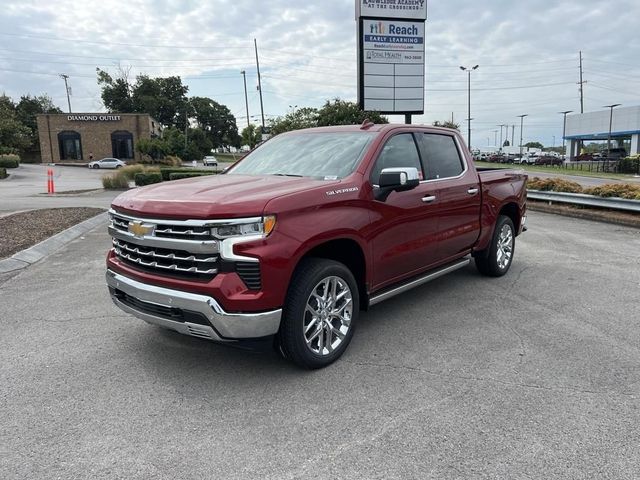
(74, 137)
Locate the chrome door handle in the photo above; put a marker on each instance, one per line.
(429, 199)
(472, 191)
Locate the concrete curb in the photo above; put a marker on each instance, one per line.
(36, 253)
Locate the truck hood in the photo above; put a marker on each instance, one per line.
(219, 196)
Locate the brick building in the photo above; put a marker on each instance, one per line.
(75, 137)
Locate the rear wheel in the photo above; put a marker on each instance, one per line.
(96, 166)
(320, 313)
(496, 260)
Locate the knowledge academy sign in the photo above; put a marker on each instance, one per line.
(405, 9)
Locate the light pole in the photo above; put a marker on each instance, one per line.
(246, 99)
(521, 123)
(64, 76)
(293, 109)
(564, 131)
(611, 107)
(495, 137)
(554, 141)
(501, 142)
(469, 70)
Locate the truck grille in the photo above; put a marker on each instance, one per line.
(249, 272)
(168, 230)
(167, 261)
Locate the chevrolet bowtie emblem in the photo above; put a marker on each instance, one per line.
(140, 229)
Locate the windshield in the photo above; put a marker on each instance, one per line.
(329, 155)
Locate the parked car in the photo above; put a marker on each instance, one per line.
(584, 157)
(306, 231)
(497, 158)
(615, 154)
(108, 163)
(548, 160)
(210, 161)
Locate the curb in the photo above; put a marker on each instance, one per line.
(31, 255)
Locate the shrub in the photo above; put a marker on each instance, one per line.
(620, 190)
(629, 164)
(130, 171)
(3, 173)
(147, 178)
(173, 161)
(554, 185)
(9, 161)
(115, 182)
(180, 175)
(168, 171)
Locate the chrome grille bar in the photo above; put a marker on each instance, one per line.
(168, 256)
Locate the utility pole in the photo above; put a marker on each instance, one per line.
(521, 123)
(611, 107)
(513, 134)
(564, 131)
(501, 142)
(255, 42)
(246, 99)
(495, 137)
(469, 70)
(581, 83)
(64, 76)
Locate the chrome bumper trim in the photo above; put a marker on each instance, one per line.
(224, 326)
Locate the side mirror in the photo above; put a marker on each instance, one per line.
(396, 180)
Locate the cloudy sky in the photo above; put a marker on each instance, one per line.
(527, 52)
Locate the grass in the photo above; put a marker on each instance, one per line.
(558, 170)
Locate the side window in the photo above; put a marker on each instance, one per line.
(441, 156)
(399, 151)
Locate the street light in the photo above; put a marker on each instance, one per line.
(521, 122)
(469, 70)
(564, 130)
(501, 142)
(495, 139)
(246, 100)
(610, 124)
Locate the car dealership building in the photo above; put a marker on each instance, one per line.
(76, 137)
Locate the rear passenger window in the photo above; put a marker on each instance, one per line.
(441, 156)
(399, 151)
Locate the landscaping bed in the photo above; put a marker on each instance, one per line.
(26, 229)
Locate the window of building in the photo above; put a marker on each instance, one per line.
(70, 145)
(122, 144)
(441, 156)
(399, 151)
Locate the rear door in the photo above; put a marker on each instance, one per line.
(458, 193)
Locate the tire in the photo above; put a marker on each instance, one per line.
(118, 166)
(496, 260)
(95, 167)
(303, 336)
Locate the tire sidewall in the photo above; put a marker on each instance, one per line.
(493, 257)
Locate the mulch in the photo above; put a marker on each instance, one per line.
(26, 229)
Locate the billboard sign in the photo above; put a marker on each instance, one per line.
(391, 65)
(404, 9)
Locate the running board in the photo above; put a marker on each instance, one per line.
(416, 282)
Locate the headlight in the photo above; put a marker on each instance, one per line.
(263, 228)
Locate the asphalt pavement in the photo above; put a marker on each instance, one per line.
(533, 375)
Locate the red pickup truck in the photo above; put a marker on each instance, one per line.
(309, 229)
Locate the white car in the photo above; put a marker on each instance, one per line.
(210, 161)
(107, 163)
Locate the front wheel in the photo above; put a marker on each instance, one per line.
(96, 166)
(320, 313)
(496, 260)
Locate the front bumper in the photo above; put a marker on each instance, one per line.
(188, 313)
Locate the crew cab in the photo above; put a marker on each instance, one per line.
(308, 230)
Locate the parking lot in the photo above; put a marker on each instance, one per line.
(532, 375)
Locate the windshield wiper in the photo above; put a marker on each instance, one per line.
(286, 175)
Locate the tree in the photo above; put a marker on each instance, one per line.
(116, 92)
(447, 124)
(306, 117)
(534, 145)
(14, 136)
(251, 135)
(216, 121)
(27, 109)
(154, 148)
(341, 112)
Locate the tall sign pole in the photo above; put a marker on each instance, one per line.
(391, 56)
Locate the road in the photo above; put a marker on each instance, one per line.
(533, 375)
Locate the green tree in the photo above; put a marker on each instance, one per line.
(341, 112)
(216, 121)
(534, 145)
(14, 136)
(306, 117)
(27, 109)
(447, 124)
(154, 148)
(251, 135)
(116, 92)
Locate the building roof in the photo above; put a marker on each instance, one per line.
(595, 125)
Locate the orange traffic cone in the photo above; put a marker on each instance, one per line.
(50, 185)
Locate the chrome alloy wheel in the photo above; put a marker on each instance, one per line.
(505, 247)
(327, 316)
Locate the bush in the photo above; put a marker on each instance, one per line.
(169, 160)
(115, 182)
(180, 175)
(554, 185)
(3, 173)
(620, 190)
(168, 171)
(629, 164)
(130, 171)
(147, 178)
(9, 161)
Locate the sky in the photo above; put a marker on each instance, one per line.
(527, 54)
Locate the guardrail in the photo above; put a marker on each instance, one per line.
(586, 200)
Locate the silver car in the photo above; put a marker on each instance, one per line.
(107, 163)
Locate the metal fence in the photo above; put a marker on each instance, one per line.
(586, 200)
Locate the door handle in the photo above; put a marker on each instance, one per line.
(429, 199)
(472, 191)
